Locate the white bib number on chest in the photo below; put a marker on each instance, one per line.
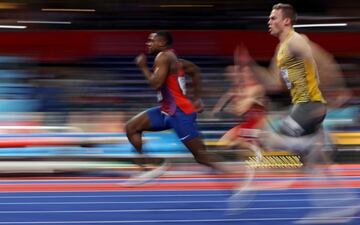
(159, 96)
(182, 84)
(285, 75)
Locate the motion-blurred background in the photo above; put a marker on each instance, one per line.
(67, 66)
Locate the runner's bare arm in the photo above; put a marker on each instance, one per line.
(252, 96)
(332, 82)
(299, 47)
(156, 78)
(222, 102)
(269, 77)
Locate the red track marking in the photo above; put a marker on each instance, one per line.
(171, 186)
(279, 175)
(277, 178)
(39, 141)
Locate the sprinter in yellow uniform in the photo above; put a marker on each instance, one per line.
(297, 68)
(293, 67)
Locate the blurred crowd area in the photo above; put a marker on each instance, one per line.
(36, 94)
(101, 94)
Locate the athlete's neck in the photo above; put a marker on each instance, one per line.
(162, 50)
(168, 50)
(285, 33)
(165, 49)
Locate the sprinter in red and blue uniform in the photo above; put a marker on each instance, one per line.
(176, 111)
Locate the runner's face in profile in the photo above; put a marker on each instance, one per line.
(276, 22)
(153, 43)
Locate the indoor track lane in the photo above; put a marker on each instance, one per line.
(174, 199)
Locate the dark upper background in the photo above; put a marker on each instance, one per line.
(174, 14)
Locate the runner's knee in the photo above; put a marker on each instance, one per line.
(132, 127)
(291, 128)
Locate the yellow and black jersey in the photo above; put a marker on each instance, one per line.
(299, 75)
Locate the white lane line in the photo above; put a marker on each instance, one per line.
(168, 221)
(169, 210)
(171, 195)
(174, 202)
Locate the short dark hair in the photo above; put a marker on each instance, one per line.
(166, 35)
(287, 10)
